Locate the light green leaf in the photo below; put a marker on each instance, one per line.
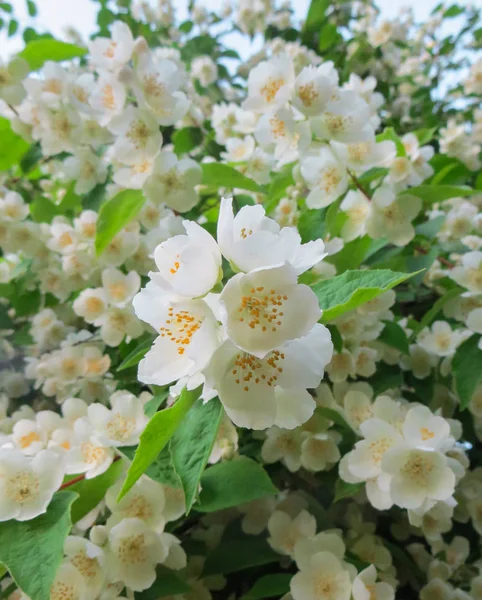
(152, 405)
(438, 193)
(429, 316)
(156, 435)
(346, 490)
(394, 336)
(311, 225)
(430, 228)
(186, 139)
(424, 136)
(352, 254)
(236, 555)
(162, 469)
(219, 175)
(269, 586)
(345, 292)
(136, 355)
(12, 146)
(232, 483)
(43, 210)
(37, 52)
(167, 583)
(92, 491)
(115, 214)
(467, 370)
(32, 550)
(192, 444)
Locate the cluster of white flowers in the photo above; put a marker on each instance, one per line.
(357, 418)
(256, 344)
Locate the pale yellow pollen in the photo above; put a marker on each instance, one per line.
(80, 94)
(110, 52)
(108, 99)
(62, 591)
(307, 94)
(142, 167)
(69, 367)
(94, 304)
(153, 87)
(133, 550)
(417, 468)
(330, 179)
(29, 438)
(170, 180)
(93, 454)
(65, 239)
(336, 123)
(138, 508)
(180, 328)
(88, 567)
(118, 290)
(261, 309)
(138, 134)
(244, 233)
(426, 434)
(378, 449)
(22, 486)
(271, 88)
(358, 152)
(54, 86)
(278, 127)
(120, 427)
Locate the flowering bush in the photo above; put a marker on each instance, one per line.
(241, 306)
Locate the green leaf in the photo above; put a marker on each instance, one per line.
(328, 36)
(430, 315)
(152, 406)
(269, 586)
(12, 27)
(467, 370)
(186, 139)
(336, 337)
(236, 555)
(387, 377)
(32, 8)
(12, 146)
(453, 11)
(232, 483)
(333, 415)
(162, 469)
(420, 263)
(311, 225)
(43, 210)
(70, 201)
(92, 491)
(430, 228)
(136, 355)
(31, 158)
(219, 175)
(33, 550)
(345, 292)
(314, 19)
(277, 188)
(192, 444)
(424, 136)
(346, 490)
(5, 321)
(438, 193)
(156, 435)
(394, 336)
(352, 254)
(115, 214)
(167, 583)
(37, 52)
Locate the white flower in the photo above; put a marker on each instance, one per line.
(285, 532)
(189, 265)
(440, 339)
(122, 424)
(261, 392)
(52, 88)
(144, 501)
(138, 135)
(188, 336)
(173, 182)
(11, 77)
(239, 149)
(418, 475)
(314, 87)
(263, 309)
(69, 583)
(13, 207)
(422, 429)
(469, 273)
(91, 304)
(251, 240)
(63, 237)
(204, 69)
(345, 119)
(86, 169)
(361, 156)
(357, 208)
(116, 323)
(27, 485)
(323, 578)
(119, 288)
(156, 84)
(279, 133)
(392, 217)
(326, 177)
(112, 54)
(29, 436)
(283, 445)
(134, 552)
(319, 452)
(270, 84)
(89, 561)
(87, 455)
(108, 97)
(366, 588)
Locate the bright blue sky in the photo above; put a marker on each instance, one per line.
(56, 15)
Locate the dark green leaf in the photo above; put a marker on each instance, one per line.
(231, 483)
(237, 555)
(186, 139)
(167, 583)
(430, 315)
(269, 586)
(136, 355)
(394, 336)
(336, 337)
(192, 444)
(346, 490)
(467, 369)
(162, 469)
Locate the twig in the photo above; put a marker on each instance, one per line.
(358, 184)
(81, 477)
(441, 259)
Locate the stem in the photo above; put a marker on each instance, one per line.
(13, 109)
(81, 477)
(358, 184)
